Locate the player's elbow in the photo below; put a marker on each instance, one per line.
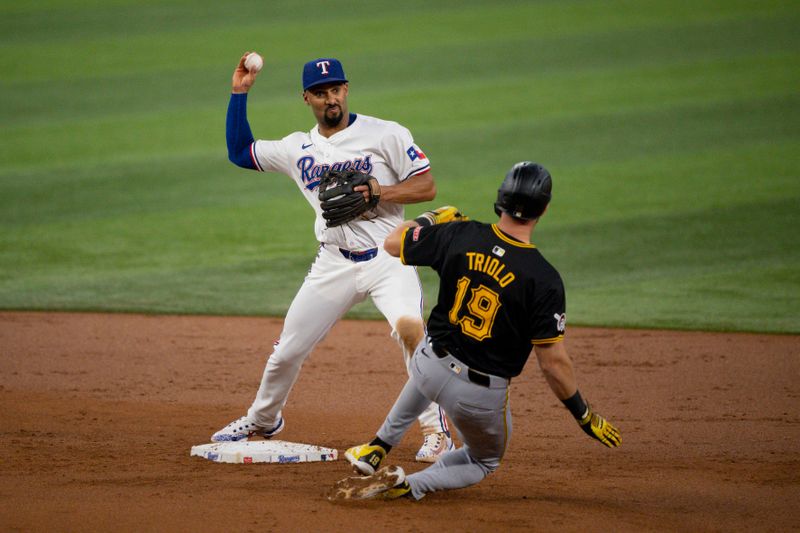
(394, 241)
(430, 193)
(392, 245)
(549, 369)
(424, 189)
(552, 358)
(241, 158)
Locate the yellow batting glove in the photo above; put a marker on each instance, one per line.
(599, 428)
(444, 214)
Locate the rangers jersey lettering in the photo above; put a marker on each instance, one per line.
(311, 171)
(372, 145)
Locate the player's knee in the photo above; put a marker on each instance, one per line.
(409, 331)
(488, 465)
(285, 357)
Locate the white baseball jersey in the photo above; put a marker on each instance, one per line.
(381, 148)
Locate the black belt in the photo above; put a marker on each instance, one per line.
(358, 257)
(474, 376)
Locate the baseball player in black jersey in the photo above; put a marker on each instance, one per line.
(498, 297)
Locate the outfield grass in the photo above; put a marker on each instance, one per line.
(671, 129)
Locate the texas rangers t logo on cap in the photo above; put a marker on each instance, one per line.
(324, 66)
(322, 70)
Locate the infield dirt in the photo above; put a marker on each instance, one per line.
(98, 414)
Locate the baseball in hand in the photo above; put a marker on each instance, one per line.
(253, 62)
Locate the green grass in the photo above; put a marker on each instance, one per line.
(672, 129)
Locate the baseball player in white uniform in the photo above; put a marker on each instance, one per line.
(351, 263)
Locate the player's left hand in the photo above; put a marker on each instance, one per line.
(441, 215)
(342, 195)
(369, 191)
(599, 428)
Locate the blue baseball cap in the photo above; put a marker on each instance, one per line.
(322, 70)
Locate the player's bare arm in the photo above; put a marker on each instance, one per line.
(440, 215)
(392, 242)
(415, 189)
(242, 78)
(557, 368)
(420, 188)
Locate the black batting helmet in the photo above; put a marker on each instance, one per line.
(525, 191)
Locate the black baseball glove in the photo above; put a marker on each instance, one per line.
(340, 202)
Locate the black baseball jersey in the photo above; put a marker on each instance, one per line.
(497, 296)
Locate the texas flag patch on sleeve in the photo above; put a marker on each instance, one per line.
(415, 153)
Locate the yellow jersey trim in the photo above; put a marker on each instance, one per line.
(548, 341)
(509, 240)
(403, 245)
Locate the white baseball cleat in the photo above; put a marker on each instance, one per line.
(244, 428)
(434, 445)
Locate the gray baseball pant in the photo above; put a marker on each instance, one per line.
(480, 414)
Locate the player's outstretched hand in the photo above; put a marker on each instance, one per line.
(243, 79)
(599, 428)
(443, 214)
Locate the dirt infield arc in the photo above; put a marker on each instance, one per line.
(99, 413)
